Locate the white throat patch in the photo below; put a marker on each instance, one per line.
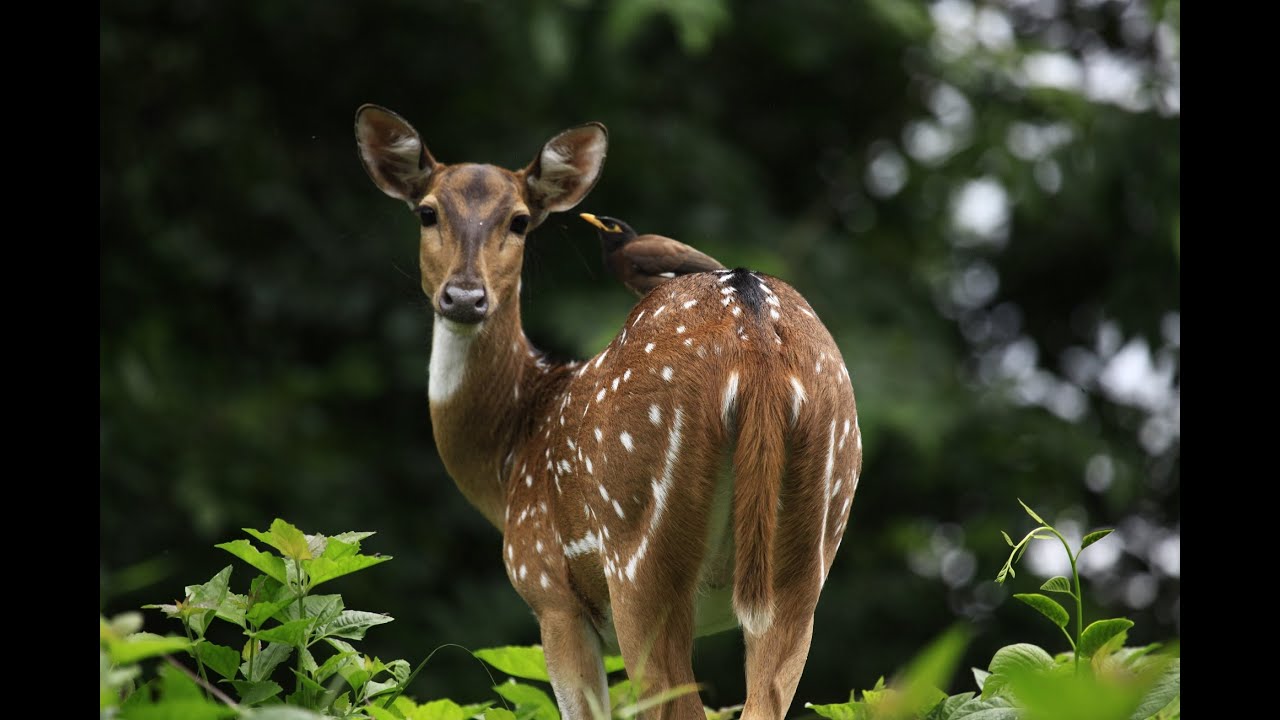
(450, 343)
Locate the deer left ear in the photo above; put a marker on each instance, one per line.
(566, 169)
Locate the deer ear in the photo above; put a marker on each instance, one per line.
(393, 154)
(566, 169)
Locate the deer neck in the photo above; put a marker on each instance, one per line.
(483, 382)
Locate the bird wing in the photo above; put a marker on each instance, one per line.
(655, 255)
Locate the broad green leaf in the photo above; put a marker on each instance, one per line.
(1020, 657)
(399, 669)
(233, 608)
(175, 684)
(143, 645)
(1031, 512)
(613, 663)
(194, 709)
(980, 677)
(324, 569)
(1058, 584)
(1165, 690)
(336, 549)
(322, 608)
(435, 710)
(267, 563)
(375, 688)
(841, 711)
(933, 667)
(331, 665)
(265, 660)
(252, 693)
(1008, 540)
(355, 671)
(499, 714)
(281, 712)
(378, 713)
(1094, 537)
(306, 661)
(967, 707)
(522, 662)
(219, 658)
(352, 537)
(1047, 606)
(352, 624)
(1098, 633)
(528, 696)
(292, 633)
(261, 612)
(286, 538)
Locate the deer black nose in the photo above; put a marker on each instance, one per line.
(463, 302)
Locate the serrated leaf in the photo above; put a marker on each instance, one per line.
(292, 633)
(528, 696)
(221, 659)
(352, 624)
(140, 646)
(1165, 690)
(522, 662)
(1008, 540)
(335, 549)
(1046, 606)
(289, 540)
(252, 693)
(352, 537)
(1058, 584)
(233, 608)
(261, 612)
(1012, 659)
(1094, 537)
(1031, 512)
(265, 660)
(266, 562)
(321, 608)
(1098, 633)
(841, 711)
(324, 569)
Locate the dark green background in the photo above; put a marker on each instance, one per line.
(264, 340)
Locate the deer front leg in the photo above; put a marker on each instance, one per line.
(574, 663)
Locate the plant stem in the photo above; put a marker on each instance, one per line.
(1075, 574)
(196, 651)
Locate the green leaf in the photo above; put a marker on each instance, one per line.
(196, 709)
(331, 665)
(352, 537)
(1008, 540)
(528, 696)
(522, 662)
(1058, 584)
(378, 713)
(267, 563)
(286, 538)
(323, 569)
(265, 661)
(1047, 607)
(321, 608)
(1165, 690)
(143, 645)
(499, 714)
(373, 689)
(613, 663)
(1031, 512)
(841, 711)
(931, 669)
(980, 677)
(972, 708)
(219, 658)
(1098, 633)
(1020, 657)
(435, 710)
(252, 693)
(335, 549)
(292, 633)
(281, 712)
(233, 609)
(352, 624)
(355, 672)
(1093, 537)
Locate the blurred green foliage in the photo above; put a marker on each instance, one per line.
(981, 201)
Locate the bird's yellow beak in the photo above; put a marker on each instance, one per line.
(596, 221)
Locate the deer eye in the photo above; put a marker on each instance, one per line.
(427, 215)
(520, 224)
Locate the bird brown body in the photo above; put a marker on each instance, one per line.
(643, 262)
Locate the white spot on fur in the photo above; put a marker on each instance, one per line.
(774, 314)
(730, 396)
(588, 543)
(689, 342)
(655, 414)
(601, 358)
(618, 509)
(689, 304)
(826, 504)
(736, 311)
(625, 437)
(797, 398)
(660, 490)
(604, 493)
(511, 553)
(666, 274)
(726, 277)
(658, 312)
(680, 330)
(523, 571)
(666, 373)
(648, 348)
(538, 546)
(615, 383)
(727, 290)
(633, 322)
(544, 581)
(589, 470)
(569, 441)
(528, 481)
(600, 395)
(599, 435)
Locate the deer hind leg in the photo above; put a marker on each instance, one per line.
(776, 658)
(654, 606)
(574, 664)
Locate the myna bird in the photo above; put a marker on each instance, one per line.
(643, 262)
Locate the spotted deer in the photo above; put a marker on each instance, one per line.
(694, 476)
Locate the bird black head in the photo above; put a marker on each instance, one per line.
(612, 231)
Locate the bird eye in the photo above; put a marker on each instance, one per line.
(520, 224)
(427, 215)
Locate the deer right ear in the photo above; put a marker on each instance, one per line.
(566, 169)
(394, 156)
